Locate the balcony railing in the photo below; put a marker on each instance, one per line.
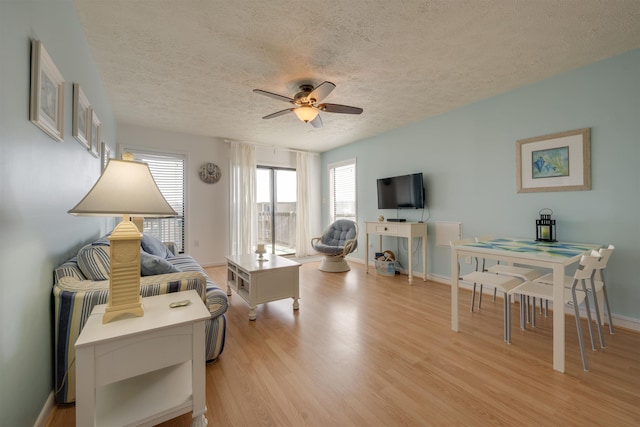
(285, 231)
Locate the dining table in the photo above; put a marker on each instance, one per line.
(556, 256)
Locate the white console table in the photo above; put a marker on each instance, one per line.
(143, 370)
(408, 230)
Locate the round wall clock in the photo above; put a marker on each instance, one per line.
(209, 173)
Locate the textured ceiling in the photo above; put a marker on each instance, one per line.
(190, 65)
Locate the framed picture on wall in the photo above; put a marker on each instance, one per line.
(105, 155)
(81, 123)
(556, 162)
(95, 135)
(46, 103)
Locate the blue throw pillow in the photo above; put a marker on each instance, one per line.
(153, 245)
(151, 265)
(103, 241)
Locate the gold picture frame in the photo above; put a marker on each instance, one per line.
(46, 103)
(81, 123)
(555, 162)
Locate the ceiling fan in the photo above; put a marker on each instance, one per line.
(306, 105)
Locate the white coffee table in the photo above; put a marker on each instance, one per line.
(258, 282)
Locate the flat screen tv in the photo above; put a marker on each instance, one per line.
(401, 192)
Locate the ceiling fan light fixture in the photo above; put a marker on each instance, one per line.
(306, 113)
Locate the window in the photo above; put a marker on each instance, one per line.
(342, 190)
(168, 172)
(276, 206)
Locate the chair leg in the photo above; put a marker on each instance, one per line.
(587, 307)
(522, 312)
(606, 303)
(495, 290)
(533, 313)
(585, 365)
(507, 318)
(473, 297)
(595, 302)
(480, 297)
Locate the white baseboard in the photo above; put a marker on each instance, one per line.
(45, 412)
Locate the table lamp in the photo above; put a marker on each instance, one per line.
(125, 188)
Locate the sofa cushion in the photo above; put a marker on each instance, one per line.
(151, 265)
(68, 269)
(339, 232)
(103, 241)
(94, 262)
(152, 245)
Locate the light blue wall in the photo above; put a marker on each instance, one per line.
(40, 179)
(468, 158)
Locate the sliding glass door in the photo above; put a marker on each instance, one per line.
(276, 207)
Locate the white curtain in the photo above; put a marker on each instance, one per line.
(244, 221)
(303, 173)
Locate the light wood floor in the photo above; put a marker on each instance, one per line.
(367, 350)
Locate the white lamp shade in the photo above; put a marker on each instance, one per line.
(306, 114)
(125, 187)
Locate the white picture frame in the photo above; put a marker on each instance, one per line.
(95, 135)
(46, 103)
(105, 155)
(81, 122)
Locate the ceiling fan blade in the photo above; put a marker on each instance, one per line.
(317, 122)
(322, 91)
(273, 95)
(279, 113)
(337, 108)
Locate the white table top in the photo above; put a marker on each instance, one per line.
(548, 252)
(251, 264)
(157, 315)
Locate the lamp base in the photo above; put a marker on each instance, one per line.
(120, 312)
(124, 280)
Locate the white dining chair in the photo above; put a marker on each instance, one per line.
(572, 295)
(502, 283)
(523, 273)
(598, 284)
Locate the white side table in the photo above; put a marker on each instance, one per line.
(143, 370)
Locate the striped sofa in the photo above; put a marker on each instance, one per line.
(75, 295)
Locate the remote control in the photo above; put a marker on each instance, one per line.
(182, 303)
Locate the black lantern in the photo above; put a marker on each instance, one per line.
(545, 226)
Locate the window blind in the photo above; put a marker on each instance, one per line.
(168, 172)
(342, 187)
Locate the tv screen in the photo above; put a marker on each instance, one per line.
(404, 191)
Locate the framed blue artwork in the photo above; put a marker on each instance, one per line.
(555, 162)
